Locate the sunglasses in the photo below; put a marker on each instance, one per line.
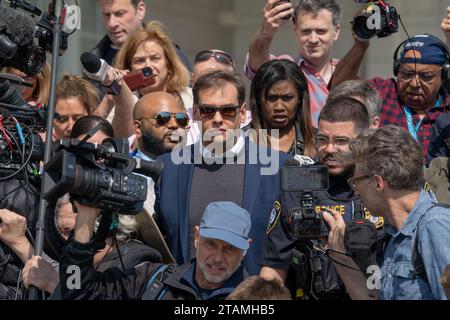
(162, 118)
(225, 111)
(219, 56)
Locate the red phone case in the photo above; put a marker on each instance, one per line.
(139, 79)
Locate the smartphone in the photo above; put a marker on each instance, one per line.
(139, 79)
(281, 2)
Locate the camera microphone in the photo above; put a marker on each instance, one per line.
(16, 42)
(97, 69)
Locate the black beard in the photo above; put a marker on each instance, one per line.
(153, 145)
(346, 174)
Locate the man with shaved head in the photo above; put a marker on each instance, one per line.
(160, 123)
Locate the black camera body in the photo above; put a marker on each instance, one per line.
(379, 19)
(99, 176)
(304, 221)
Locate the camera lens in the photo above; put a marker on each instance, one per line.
(36, 60)
(360, 28)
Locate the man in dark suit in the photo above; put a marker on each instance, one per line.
(225, 166)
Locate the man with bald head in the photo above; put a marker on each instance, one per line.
(160, 123)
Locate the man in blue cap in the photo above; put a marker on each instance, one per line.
(416, 97)
(221, 241)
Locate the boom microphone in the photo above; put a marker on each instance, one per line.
(97, 69)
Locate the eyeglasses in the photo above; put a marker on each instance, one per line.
(219, 56)
(162, 118)
(225, 111)
(352, 181)
(338, 142)
(408, 75)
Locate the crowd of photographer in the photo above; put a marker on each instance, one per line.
(164, 184)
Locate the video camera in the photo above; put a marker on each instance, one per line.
(304, 221)
(378, 19)
(21, 147)
(99, 175)
(17, 33)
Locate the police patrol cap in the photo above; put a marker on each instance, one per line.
(431, 50)
(228, 222)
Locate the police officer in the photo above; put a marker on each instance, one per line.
(340, 121)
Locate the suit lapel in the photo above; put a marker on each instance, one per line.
(252, 178)
(184, 183)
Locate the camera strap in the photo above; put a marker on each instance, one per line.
(103, 230)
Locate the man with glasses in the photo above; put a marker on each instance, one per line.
(388, 176)
(160, 123)
(224, 166)
(208, 61)
(416, 97)
(341, 120)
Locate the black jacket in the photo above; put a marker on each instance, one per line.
(131, 284)
(21, 198)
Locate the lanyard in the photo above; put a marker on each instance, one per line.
(414, 129)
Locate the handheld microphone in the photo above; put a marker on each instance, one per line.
(97, 69)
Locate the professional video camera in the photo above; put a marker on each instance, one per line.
(17, 33)
(378, 19)
(100, 176)
(21, 147)
(304, 221)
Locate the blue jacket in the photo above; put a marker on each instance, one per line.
(173, 194)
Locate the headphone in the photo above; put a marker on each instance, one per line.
(445, 67)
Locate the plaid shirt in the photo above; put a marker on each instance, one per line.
(392, 112)
(317, 87)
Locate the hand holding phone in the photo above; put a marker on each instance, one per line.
(139, 79)
(280, 3)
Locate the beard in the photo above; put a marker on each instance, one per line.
(153, 145)
(216, 279)
(343, 158)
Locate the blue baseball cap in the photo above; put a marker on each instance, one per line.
(228, 222)
(432, 50)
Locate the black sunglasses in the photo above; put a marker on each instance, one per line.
(225, 111)
(219, 56)
(162, 118)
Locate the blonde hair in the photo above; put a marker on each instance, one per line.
(178, 76)
(43, 86)
(72, 86)
(42, 91)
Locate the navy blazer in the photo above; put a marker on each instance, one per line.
(173, 194)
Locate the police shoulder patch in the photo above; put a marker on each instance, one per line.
(274, 217)
(377, 221)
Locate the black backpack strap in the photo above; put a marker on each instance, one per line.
(416, 258)
(155, 286)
